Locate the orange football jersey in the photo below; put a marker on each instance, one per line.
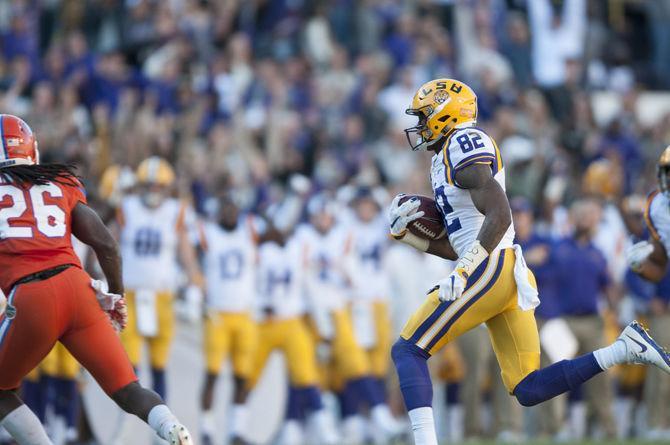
(35, 229)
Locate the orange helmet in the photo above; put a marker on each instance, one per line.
(17, 142)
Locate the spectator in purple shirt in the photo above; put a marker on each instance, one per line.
(582, 273)
(538, 251)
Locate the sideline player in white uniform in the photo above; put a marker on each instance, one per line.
(282, 326)
(329, 259)
(371, 283)
(229, 257)
(153, 236)
(370, 302)
(491, 283)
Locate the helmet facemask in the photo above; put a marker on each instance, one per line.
(421, 134)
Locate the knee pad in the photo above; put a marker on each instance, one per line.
(403, 350)
(399, 350)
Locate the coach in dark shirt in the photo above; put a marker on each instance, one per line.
(538, 251)
(581, 271)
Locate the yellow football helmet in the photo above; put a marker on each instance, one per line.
(115, 181)
(155, 170)
(441, 106)
(662, 170)
(109, 181)
(603, 178)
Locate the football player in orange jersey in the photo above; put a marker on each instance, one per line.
(49, 296)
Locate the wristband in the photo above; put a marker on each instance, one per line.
(411, 239)
(472, 258)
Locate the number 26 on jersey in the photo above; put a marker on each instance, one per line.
(48, 218)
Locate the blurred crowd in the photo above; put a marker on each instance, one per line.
(250, 92)
(269, 98)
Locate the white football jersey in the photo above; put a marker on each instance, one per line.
(325, 258)
(279, 277)
(149, 243)
(370, 274)
(465, 147)
(611, 238)
(657, 216)
(229, 266)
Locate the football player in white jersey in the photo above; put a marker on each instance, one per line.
(328, 263)
(153, 238)
(650, 259)
(229, 262)
(370, 299)
(282, 326)
(490, 283)
(371, 283)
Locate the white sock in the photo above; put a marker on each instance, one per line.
(238, 423)
(611, 355)
(455, 427)
(161, 420)
(325, 426)
(24, 426)
(353, 429)
(623, 414)
(71, 434)
(382, 417)
(207, 425)
(578, 421)
(423, 426)
(291, 433)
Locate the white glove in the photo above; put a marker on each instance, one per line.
(637, 254)
(113, 304)
(452, 287)
(402, 214)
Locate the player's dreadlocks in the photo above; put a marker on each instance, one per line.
(40, 174)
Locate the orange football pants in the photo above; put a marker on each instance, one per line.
(61, 308)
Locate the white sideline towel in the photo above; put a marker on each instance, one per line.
(527, 294)
(558, 341)
(147, 312)
(364, 323)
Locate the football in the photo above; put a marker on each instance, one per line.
(431, 225)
